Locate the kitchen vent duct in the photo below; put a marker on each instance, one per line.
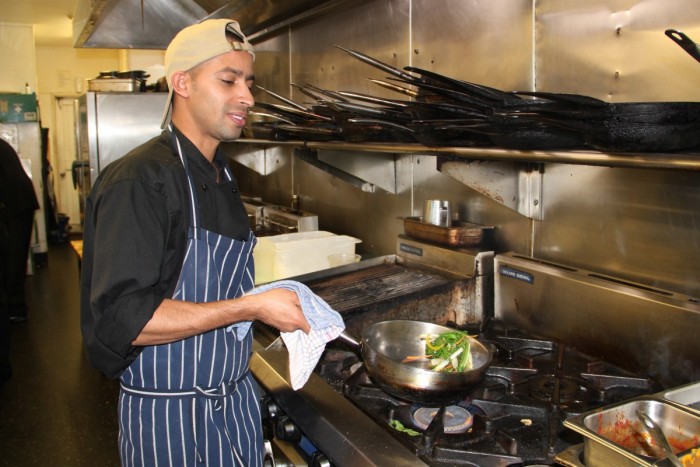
(151, 24)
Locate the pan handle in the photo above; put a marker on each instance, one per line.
(348, 339)
(685, 42)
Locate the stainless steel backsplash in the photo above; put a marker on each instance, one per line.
(637, 224)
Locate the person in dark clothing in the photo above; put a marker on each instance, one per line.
(167, 262)
(18, 202)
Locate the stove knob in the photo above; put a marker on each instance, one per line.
(320, 460)
(270, 409)
(286, 430)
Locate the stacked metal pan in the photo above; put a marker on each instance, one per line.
(438, 110)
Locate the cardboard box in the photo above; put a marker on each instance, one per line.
(16, 108)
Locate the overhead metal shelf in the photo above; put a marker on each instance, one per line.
(677, 160)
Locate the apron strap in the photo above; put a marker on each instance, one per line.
(224, 390)
(190, 183)
(204, 400)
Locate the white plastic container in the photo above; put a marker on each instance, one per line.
(281, 256)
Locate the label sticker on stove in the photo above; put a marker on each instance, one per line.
(414, 250)
(516, 274)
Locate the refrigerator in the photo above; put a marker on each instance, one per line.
(109, 125)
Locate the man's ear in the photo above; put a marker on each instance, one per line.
(180, 83)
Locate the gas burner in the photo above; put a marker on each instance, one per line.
(544, 387)
(455, 420)
(336, 363)
(336, 366)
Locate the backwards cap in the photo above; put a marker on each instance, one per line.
(195, 45)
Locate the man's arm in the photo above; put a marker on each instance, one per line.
(176, 319)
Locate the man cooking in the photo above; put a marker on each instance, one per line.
(167, 257)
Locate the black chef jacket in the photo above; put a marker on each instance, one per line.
(17, 195)
(134, 240)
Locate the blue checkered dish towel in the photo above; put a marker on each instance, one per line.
(304, 349)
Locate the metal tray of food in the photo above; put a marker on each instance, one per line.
(614, 435)
(457, 235)
(687, 395)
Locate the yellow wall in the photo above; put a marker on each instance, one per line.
(64, 70)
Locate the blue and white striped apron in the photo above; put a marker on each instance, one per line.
(194, 401)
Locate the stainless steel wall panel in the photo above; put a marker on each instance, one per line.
(641, 224)
(616, 50)
(272, 66)
(482, 41)
(638, 224)
(379, 29)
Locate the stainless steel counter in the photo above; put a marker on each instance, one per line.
(339, 429)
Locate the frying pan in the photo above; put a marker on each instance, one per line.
(323, 132)
(283, 99)
(449, 132)
(363, 130)
(441, 90)
(433, 93)
(398, 132)
(359, 124)
(517, 131)
(395, 87)
(291, 113)
(305, 89)
(685, 42)
(443, 110)
(385, 344)
(610, 135)
(381, 65)
(629, 112)
(384, 113)
(476, 90)
(392, 103)
(643, 137)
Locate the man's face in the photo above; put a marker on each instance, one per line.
(221, 95)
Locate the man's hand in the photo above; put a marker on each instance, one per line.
(280, 308)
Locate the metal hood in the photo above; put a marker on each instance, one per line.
(151, 24)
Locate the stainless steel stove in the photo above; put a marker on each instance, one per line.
(513, 417)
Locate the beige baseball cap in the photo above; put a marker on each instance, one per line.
(198, 43)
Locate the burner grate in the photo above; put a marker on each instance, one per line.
(516, 413)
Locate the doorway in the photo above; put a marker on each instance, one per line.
(67, 192)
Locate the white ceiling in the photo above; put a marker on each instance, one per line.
(52, 19)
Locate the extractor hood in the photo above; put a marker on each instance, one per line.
(151, 24)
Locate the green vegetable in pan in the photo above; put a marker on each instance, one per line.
(449, 351)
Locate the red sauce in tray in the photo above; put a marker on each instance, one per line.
(633, 436)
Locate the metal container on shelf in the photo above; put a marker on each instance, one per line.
(114, 85)
(437, 212)
(458, 234)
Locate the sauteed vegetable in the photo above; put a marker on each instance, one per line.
(449, 351)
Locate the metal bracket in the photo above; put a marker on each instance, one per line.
(261, 159)
(362, 170)
(516, 185)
